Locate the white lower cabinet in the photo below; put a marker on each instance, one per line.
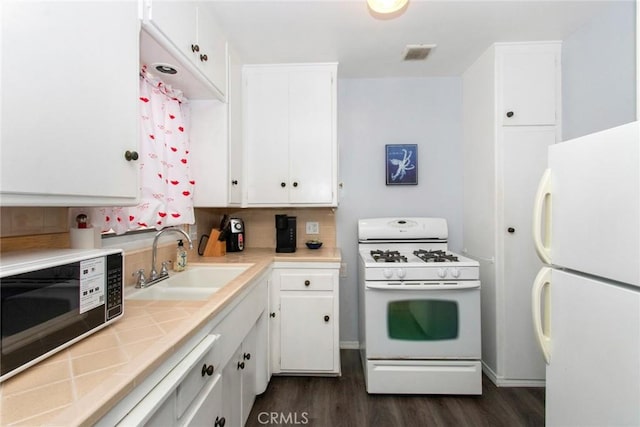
(304, 320)
(213, 379)
(239, 381)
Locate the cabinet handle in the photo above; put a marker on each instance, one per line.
(234, 182)
(219, 422)
(511, 230)
(203, 57)
(326, 318)
(247, 356)
(240, 365)
(307, 282)
(283, 184)
(130, 155)
(207, 370)
(295, 184)
(272, 314)
(195, 48)
(510, 114)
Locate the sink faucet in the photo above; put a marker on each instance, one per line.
(154, 276)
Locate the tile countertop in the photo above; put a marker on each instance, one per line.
(78, 385)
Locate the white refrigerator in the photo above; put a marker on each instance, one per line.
(586, 298)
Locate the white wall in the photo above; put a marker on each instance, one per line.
(375, 112)
(599, 73)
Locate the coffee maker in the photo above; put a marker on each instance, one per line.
(235, 235)
(285, 233)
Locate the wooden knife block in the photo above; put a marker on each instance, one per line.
(214, 246)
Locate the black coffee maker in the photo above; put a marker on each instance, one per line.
(285, 233)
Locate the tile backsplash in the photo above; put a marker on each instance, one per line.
(259, 224)
(48, 227)
(25, 221)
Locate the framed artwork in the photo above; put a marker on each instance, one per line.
(401, 164)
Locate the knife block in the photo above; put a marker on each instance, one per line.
(214, 246)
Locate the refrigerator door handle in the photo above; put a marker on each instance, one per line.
(541, 330)
(542, 214)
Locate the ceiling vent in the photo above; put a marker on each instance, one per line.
(417, 52)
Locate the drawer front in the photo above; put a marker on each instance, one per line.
(203, 372)
(312, 280)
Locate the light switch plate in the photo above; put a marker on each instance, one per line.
(313, 227)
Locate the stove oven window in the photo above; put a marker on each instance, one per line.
(422, 320)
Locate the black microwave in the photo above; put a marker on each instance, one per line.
(52, 299)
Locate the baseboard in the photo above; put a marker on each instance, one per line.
(350, 345)
(506, 382)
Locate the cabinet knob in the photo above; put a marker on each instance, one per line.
(207, 370)
(246, 356)
(240, 365)
(130, 155)
(203, 57)
(509, 114)
(219, 422)
(511, 230)
(234, 182)
(295, 184)
(283, 184)
(272, 315)
(327, 318)
(307, 282)
(195, 48)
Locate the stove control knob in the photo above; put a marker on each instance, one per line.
(401, 273)
(442, 273)
(387, 273)
(455, 272)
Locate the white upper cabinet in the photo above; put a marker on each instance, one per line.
(190, 33)
(290, 135)
(69, 103)
(528, 84)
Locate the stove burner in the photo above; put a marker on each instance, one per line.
(387, 256)
(434, 256)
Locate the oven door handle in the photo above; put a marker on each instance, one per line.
(437, 286)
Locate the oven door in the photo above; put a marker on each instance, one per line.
(422, 321)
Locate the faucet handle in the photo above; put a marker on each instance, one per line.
(164, 270)
(142, 280)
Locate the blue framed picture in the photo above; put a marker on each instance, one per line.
(402, 164)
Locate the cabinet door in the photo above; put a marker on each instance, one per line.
(528, 84)
(524, 161)
(267, 134)
(69, 103)
(311, 127)
(232, 384)
(248, 371)
(234, 101)
(177, 20)
(212, 56)
(306, 341)
(207, 409)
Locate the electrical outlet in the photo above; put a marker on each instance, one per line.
(313, 227)
(343, 269)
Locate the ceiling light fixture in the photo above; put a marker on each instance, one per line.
(386, 6)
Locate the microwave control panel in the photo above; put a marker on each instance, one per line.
(114, 291)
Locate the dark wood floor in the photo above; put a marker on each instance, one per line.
(343, 401)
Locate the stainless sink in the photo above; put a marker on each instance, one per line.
(195, 283)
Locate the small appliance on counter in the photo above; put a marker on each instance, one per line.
(53, 298)
(235, 235)
(285, 233)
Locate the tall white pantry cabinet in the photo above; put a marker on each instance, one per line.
(511, 114)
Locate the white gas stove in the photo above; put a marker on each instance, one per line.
(419, 309)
